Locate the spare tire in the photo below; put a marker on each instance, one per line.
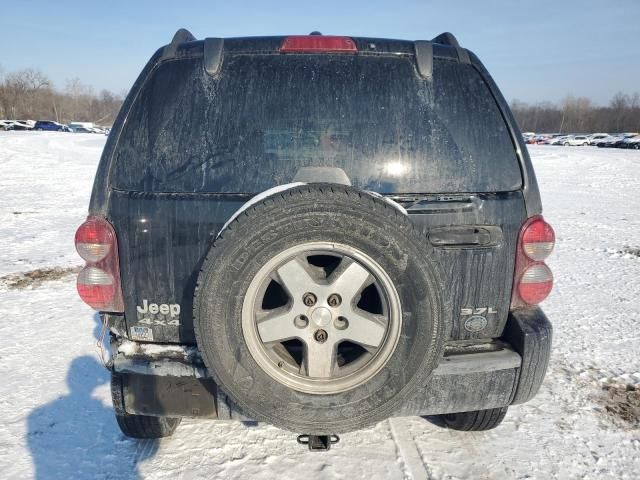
(318, 309)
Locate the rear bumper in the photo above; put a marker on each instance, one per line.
(172, 380)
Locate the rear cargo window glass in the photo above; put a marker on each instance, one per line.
(266, 116)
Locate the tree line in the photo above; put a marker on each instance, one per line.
(30, 95)
(580, 115)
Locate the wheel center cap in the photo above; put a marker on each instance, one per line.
(321, 316)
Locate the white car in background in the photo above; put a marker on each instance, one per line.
(558, 140)
(597, 137)
(79, 129)
(85, 127)
(576, 141)
(19, 125)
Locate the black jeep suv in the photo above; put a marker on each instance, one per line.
(317, 232)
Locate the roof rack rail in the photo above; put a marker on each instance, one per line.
(181, 36)
(448, 38)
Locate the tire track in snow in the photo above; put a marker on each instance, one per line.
(408, 451)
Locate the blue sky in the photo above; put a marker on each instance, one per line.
(535, 50)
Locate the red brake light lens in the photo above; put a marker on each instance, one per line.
(94, 239)
(99, 281)
(538, 239)
(318, 44)
(533, 279)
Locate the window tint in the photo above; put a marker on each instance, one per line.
(266, 116)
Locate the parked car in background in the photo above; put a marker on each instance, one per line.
(5, 124)
(601, 139)
(576, 141)
(87, 126)
(616, 141)
(80, 129)
(547, 138)
(594, 138)
(632, 142)
(626, 141)
(539, 139)
(21, 125)
(619, 143)
(608, 141)
(50, 125)
(559, 140)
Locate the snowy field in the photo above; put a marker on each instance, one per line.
(56, 419)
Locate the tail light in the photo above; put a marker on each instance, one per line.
(99, 281)
(533, 279)
(318, 44)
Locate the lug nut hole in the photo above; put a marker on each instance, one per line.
(341, 323)
(301, 321)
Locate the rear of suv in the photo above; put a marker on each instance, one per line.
(319, 233)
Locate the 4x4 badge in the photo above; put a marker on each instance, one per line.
(160, 315)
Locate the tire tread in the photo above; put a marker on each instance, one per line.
(476, 421)
(312, 192)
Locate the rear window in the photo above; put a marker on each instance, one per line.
(266, 116)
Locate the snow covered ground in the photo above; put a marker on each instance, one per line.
(56, 419)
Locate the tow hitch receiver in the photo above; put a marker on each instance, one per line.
(318, 443)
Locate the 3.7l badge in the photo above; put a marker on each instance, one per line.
(477, 319)
(478, 311)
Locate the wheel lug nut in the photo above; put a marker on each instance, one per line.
(309, 299)
(334, 300)
(341, 323)
(301, 321)
(320, 336)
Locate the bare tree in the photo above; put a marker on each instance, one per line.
(580, 115)
(29, 94)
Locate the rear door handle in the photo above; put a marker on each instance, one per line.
(466, 236)
(453, 206)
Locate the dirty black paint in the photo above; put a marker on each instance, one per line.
(173, 156)
(266, 116)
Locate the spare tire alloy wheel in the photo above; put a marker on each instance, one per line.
(319, 309)
(322, 313)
